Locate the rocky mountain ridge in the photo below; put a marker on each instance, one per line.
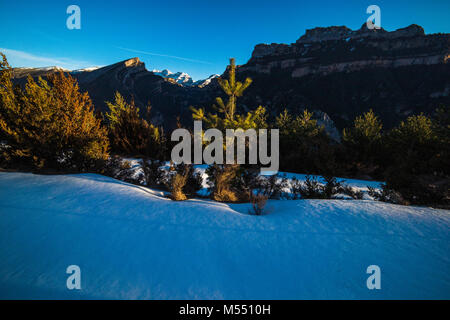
(337, 72)
(340, 49)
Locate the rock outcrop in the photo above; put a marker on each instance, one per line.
(340, 49)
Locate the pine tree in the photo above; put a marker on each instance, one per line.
(229, 120)
(9, 105)
(413, 143)
(116, 109)
(233, 89)
(366, 130)
(222, 177)
(304, 145)
(418, 169)
(363, 142)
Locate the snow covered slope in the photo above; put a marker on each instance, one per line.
(179, 77)
(89, 69)
(132, 243)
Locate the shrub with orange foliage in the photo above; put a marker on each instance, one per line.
(49, 124)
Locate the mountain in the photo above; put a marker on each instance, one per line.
(205, 82)
(85, 70)
(20, 73)
(168, 98)
(344, 73)
(183, 78)
(178, 77)
(336, 72)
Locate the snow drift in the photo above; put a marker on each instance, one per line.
(132, 243)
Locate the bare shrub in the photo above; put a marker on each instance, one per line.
(182, 181)
(258, 202)
(175, 183)
(220, 181)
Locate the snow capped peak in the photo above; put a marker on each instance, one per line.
(205, 82)
(163, 73)
(183, 78)
(179, 77)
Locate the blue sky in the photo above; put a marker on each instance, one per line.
(194, 36)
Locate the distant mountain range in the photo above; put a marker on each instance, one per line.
(335, 71)
(183, 78)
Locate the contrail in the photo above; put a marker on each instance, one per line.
(163, 55)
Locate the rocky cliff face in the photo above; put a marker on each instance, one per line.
(340, 49)
(345, 72)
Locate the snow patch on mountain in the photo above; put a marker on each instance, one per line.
(179, 77)
(184, 78)
(90, 69)
(50, 68)
(205, 82)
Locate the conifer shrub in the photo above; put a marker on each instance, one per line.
(304, 145)
(194, 181)
(417, 151)
(387, 195)
(363, 143)
(112, 166)
(153, 173)
(296, 188)
(274, 186)
(247, 182)
(49, 124)
(349, 191)
(310, 189)
(331, 187)
(118, 168)
(130, 134)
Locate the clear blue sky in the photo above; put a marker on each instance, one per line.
(194, 36)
